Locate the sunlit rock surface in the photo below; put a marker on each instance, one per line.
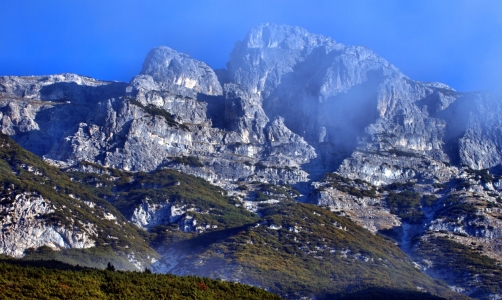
(24, 226)
(172, 70)
(148, 215)
(288, 98)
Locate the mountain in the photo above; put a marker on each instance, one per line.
(295, 116)
(176, 223)
(198, 229)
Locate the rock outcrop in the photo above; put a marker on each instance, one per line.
(42, 209)
(174, 71)
(149, 215)
(24, 226)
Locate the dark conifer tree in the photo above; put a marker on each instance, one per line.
(110, 267)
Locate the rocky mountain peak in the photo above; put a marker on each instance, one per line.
(269, 35)
(171, 69)
(270, 53)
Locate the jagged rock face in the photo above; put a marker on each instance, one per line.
(18, 117)
(365, 211)
(124, 130)
(340, 98)
(272, 56)
(382, 168)
(40, 111)
(317, 85)
(480, 146)
(149, 215)
(441, 129)
(290, 98)
(146, 125)
(171, 70)
(24, 226)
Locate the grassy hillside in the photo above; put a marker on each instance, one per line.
(292, 249)
(22, 172)
(206, 202)
(303, 250)
(55, 280)
(459, 265)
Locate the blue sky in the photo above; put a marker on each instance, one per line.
(456, 42)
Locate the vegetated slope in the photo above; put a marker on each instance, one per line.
(299, 250)
(463, 244)
(292, 249)
(467, 270)
(43, 210)
(163, 198)
(295, 249)
(450, 225)
(52, 279)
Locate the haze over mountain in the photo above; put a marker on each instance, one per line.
(294, 117)
(453, 41)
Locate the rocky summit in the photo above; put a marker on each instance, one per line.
(294, 116)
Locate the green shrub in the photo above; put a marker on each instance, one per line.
(55, 280)
(483, 175)
(454, 207)
(439, 185)
(156, 111)
(399, 186)
(461, 266)
(346, 185)
(188, 160)
(406, 205)
(259, 165)
(429, 200)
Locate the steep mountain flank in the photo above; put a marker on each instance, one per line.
(299, 250)
(43, 214)
(339, 98)
(457, 217)
(197, 230)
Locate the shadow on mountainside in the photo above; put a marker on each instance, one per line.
(73, 104)
(198, 243)
(375, 293)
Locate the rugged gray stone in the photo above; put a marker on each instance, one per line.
(172, 71)
(289, 98)
(24, 227)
